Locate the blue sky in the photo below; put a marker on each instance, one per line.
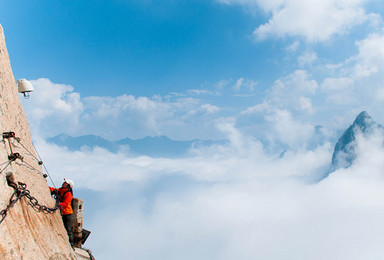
(268, 76)
(184, 64)
(177, 68)
(138, 47)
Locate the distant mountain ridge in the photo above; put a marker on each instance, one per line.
(158, 146)
(345, 149)
(344, 153)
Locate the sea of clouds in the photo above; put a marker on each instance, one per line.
(229, 202)
(257, 197)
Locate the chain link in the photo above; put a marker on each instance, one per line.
(20, 191)
(21, 188)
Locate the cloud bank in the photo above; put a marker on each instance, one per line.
(228, 202)
(256, 197)
(115, 117)
(315, 21)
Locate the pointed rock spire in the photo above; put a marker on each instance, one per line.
(344, 153)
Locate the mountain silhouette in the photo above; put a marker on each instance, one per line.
(158, 146)
(345, 150)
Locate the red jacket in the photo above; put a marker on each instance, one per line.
(65, 199)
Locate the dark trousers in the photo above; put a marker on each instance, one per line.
(68, 224)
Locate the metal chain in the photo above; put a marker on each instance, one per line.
(9, 135)
(20, 191)
(12, 201)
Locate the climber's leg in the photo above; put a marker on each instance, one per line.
(68, 224)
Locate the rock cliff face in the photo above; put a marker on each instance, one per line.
(25, 233)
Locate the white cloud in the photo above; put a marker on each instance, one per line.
(233, 202)
(336, 84)
(288, 131)
(240, 200)
(222, 84)
(142, 116)
(210, 109)
(205, 109)
(248, 84)
(280, 128)
(340, 91)
(307, 59)
(348, 87)
(287, 92)
(148, 113)
(371, 55)
(56, 108)
(199, 92)
(57, 104)
(293, 47)
(380, 94)
(315, 20)
(305, 104)
(279, 118)
(357, 82)
(259, 108)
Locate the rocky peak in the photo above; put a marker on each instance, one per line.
(344, 153)
(363, 122)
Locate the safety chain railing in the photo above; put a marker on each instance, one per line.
(21, 191)
(21, 188)
(13, 156)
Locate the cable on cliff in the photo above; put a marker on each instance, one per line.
(11, 135)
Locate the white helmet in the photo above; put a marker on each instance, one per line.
(70, 182)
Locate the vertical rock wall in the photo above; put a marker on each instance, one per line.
(25, 233)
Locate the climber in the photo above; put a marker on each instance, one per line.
(65, 194)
